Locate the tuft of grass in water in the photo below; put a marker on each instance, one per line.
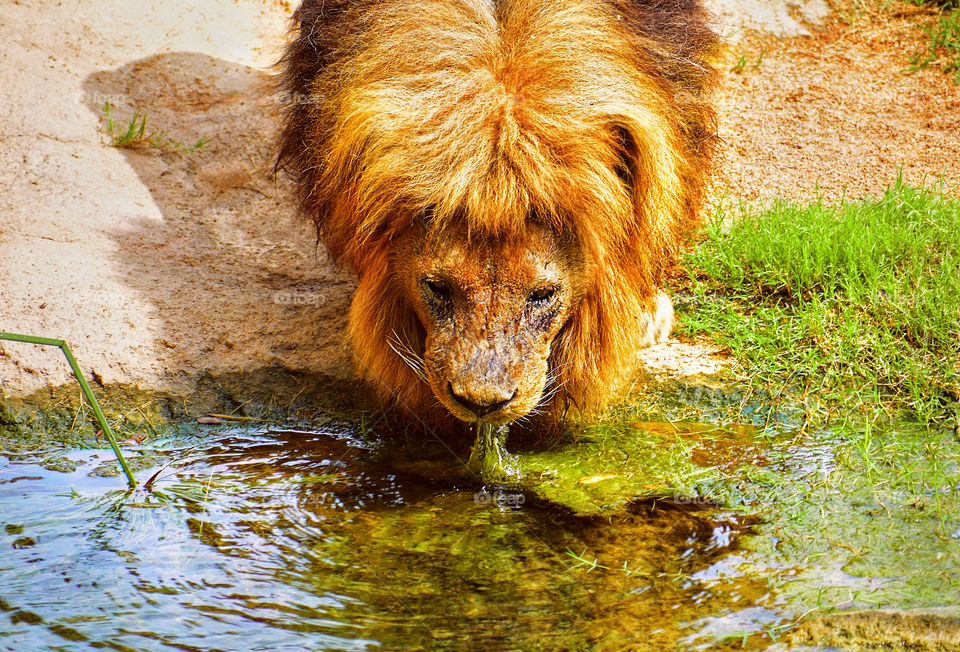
(943, 36)
(133, 133)
(581, 561)
(857, 302)
(85, 388)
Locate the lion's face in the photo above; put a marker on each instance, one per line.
(490, 308)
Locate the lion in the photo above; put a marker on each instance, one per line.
(510, 181)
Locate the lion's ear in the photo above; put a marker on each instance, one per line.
(626, 166)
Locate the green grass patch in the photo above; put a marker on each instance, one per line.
(943, 41)
(856, 303)
(133, 133)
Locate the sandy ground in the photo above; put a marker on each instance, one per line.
(155, 265)
(159, 265)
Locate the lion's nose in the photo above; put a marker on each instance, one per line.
(481, 406)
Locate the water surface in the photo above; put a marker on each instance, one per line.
(296, 540)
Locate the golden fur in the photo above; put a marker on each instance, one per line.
(480, 118)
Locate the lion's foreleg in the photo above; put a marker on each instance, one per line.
(660, 321)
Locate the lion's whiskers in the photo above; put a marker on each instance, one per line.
(553, 388)
(412, 359)
(548, 396)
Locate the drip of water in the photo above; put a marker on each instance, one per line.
(490, 458)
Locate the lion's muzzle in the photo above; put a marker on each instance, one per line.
(496, 380)
(480, 402)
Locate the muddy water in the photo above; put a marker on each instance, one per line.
(252, 539)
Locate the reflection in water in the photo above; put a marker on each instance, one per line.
(291, 541)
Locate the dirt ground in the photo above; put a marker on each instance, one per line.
(160, 265)
(835, 110)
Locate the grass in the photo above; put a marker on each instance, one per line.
(855, 303)
(743, 63)
(85, 387)
(133, 133)
(943, 39)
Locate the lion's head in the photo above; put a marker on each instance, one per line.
(508, 179)
(490, 309)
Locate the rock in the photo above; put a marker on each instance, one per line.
(934, 630)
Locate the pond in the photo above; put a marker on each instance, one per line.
(257, 538)
(313, 540)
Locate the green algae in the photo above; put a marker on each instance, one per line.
(57, 418)
(851, 517)
(655, 450)
(606, 468)
(602, 469)
(490, 459)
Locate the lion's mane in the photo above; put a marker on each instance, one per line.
(592, 116)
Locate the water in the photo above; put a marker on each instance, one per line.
(260, 540)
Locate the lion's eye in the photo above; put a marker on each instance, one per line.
(437, 290)
(542, 296)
